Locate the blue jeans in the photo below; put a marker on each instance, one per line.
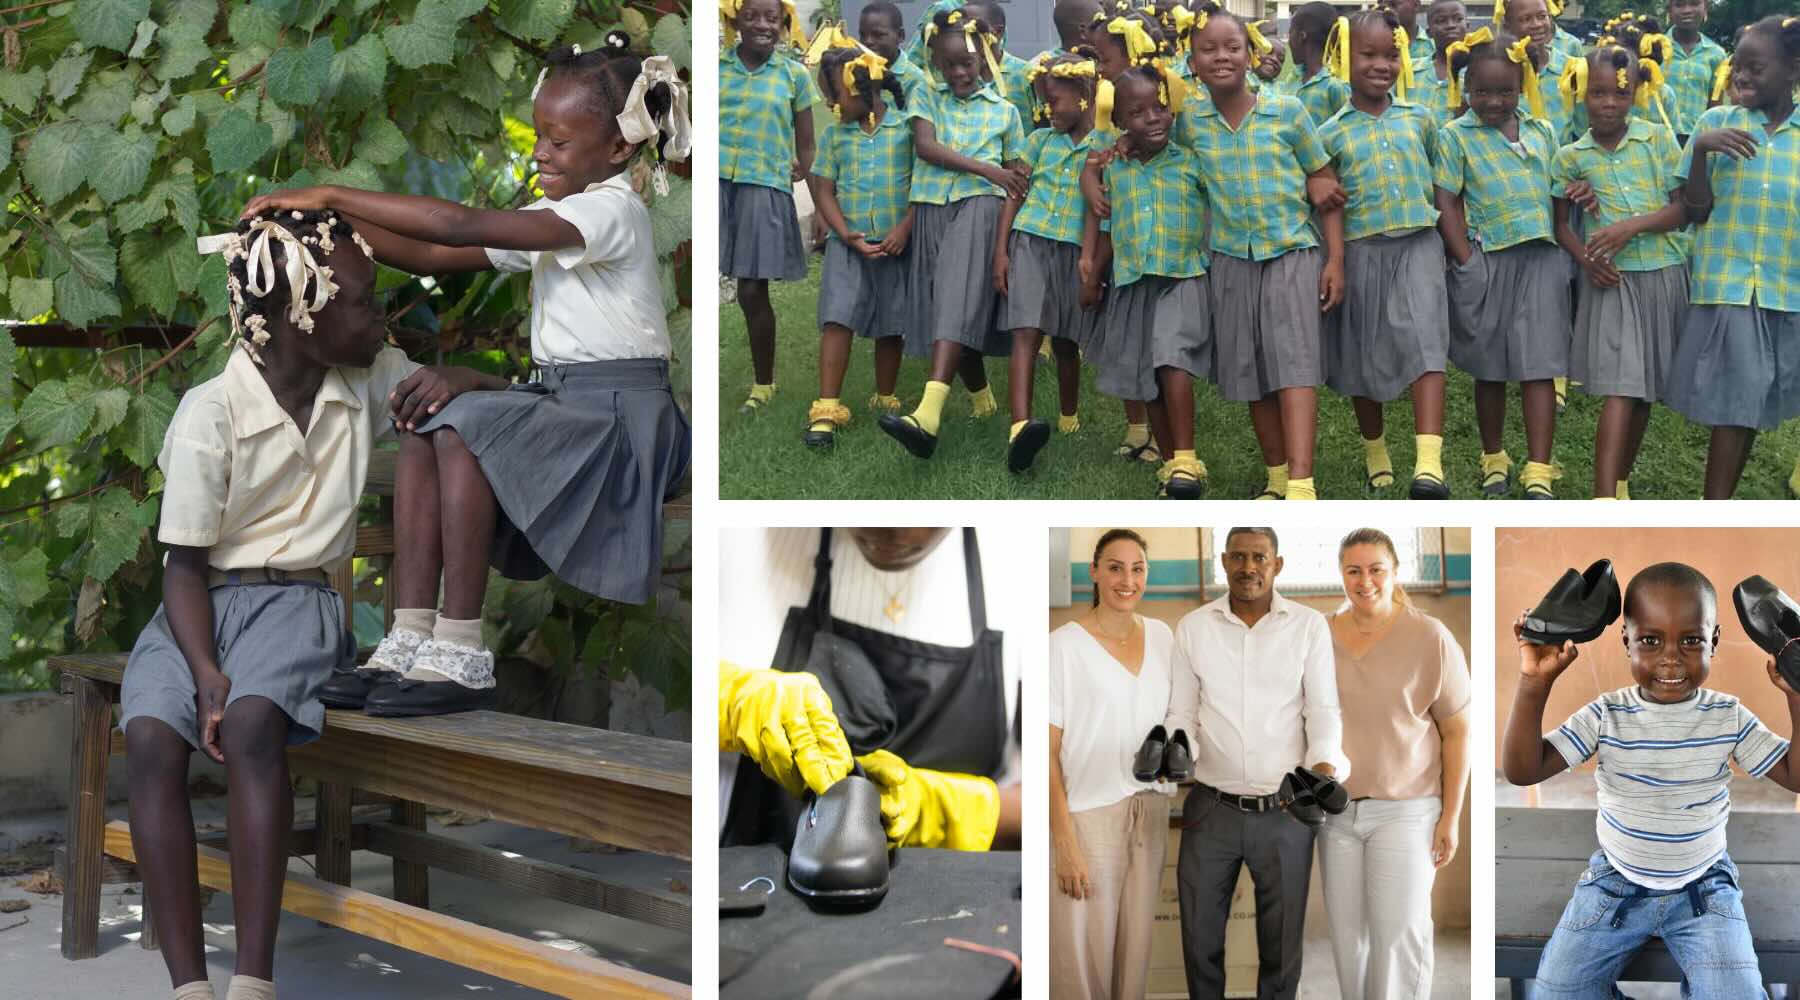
(1609, 919)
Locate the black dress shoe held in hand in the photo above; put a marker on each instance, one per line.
(1772, 620)
(1577, 609)
(1327, 792)
(403, 698)
(349, 687)
(1149, 760)
(1178, 759)
(840, 852)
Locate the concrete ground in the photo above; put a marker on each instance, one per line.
(316, 961)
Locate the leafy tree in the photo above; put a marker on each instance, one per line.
(128, 127)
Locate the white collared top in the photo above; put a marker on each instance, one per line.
(602, 300)
(1256, 702)
(243, 480)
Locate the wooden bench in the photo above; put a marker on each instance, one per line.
(1540, 853)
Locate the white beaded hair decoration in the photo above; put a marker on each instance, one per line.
(300, 268)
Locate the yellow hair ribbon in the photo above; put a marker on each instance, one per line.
(1403, 84)
(874, 64)
(1259, 43)
(1453, 82)
(1175, 90)
(1200, 18)
(1103, 105)
(1721, 79)
(1337, 49)
(1182, 20)
(987, 54)
(1574, 80)
(1555, 7)
(831, 36)
(1519, 53)
(728, 12)
(1657, 46)
(1140, 48)
(796, 33)
(1500, 13)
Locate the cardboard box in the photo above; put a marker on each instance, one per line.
(1168, 975)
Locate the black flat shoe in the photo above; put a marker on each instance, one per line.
(1023, 449)
(404, 698)
(1496, 485)
(1178, 759)
(840, 852)
(906, 430)
(1183, 486)
(1428, 488)
(1577, 609)
(1326, 792)
(350, 688)
(1149, 760)
(1772, 620)
(821, 438)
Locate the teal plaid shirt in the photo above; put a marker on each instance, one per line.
(1321, 96)
(1018, 92)
(872, 173)
(1054, 207)
(1422, 46)
(1566, 43)
(1505, 192)
(1746, 250)
(1385, 165)
(756, 118)
(1430, 92)
(1690, 76)
(1630, 181)
(1260, 171)
(1566, 120)
(912, 79)
(1158, 215)
(981, 126)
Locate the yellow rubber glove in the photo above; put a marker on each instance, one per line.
(922, 808)
(784, 722)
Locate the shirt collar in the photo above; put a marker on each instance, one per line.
(253, 406)
(1635, 131)
(1208, 109)
(986, 91)
(1278, 605)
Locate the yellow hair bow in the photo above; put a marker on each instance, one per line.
(1103, 105)
(1469, 42)
(1337, 49)
(1555, 7)
(1183, 20)
(831, 36)
(1140, 48)
(1500, 13)
(1657, 46)
(869, 61)
(1259, 43)
(977, 41)
(1519, 53)
(1574, 80)
(1172, 93)
(1403, 84)
(1721, 79)
(1650, 91)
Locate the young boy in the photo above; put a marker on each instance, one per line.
(1664, 749)
(881, 28)
(1697, 58)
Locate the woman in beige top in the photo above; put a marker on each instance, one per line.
(1403, 686)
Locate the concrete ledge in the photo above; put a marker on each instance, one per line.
(34, 756)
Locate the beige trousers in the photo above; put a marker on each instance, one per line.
(1100, 946)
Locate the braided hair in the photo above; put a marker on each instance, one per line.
(1784, 29)
(831, 74)
(1043, 75)
(252, 313)
(607, 76)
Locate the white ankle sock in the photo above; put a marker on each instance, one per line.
(420, 620)
(250, 988)
(199, 989)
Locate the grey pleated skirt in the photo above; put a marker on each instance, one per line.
(759, 233)
(953, 295)
(580, 464)
(276, 641)
(1737, 366)
(1510, 312)
(1154, 322)
(1625, 336)
(1043, 286)
(865, 295)
(1394, 323)
(1269, 332)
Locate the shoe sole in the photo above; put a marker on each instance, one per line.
(411, 712)
(820, 442)
(1425, 489)
(913, 439)
(1192, 489)
(1024, 449)
(330, 702)
(842, 897)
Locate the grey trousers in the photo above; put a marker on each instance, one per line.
(1217, 841)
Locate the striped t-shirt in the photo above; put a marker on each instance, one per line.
(1663, 777)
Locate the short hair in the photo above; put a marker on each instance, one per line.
(1070, 17)
(996, 18)
(884, 8)
(1269, 533)
(1674, 575)
(1314, 19)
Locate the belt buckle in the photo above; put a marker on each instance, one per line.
(1249, 803)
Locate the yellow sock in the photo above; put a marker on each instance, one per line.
(1068, 423)
(828, 411)
(1278, 480)
(1561, 385)
(1537, 474)
(1301, 489)
(1013, 435)
(762, 393)
(983, 404)
(1376, 460)
(1492, 462)
(1430, 460)
(1138, 435)
(1624, 490)
(931, 406)
(889, 404)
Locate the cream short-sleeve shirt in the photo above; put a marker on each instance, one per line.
(241, 479)
(601, 301)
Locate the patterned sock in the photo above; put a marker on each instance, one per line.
(250, 988)
(1540, 474)
(199, 989)
(887, 404)
(931, 406)
(1301, 489)
(1430, 456)
(832, 413)
(1013, 435)
(1376, 460)
(983, 403)
(1068, 423)
(1278, 479)
(1624, 491)
(451, 630)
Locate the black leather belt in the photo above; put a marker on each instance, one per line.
(1244, 803)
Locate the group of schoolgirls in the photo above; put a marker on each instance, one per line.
(1502, 199)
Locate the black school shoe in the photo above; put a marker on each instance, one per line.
(1312, 786)
(1149, 760)
(403, 698)
(1178, 759)
(1773, 621)
(1022, 450)
(906, 430)
(348, 687)
(1577, 609)
(1427, 487)
(840, 853)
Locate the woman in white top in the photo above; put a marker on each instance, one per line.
(1403, 686)
(1109, 685)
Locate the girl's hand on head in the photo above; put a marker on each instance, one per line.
(1541, 662)
(1582, 193)
(1733, 142)
(211, 691)
(306, 199)
(1331, 286)
(1779, 681)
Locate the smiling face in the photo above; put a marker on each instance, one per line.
(1687, 15)
(575, 147)
(1671, 633)
(881, 33)
(1494, 86)
(1368, 572)
(1251, 566)
(1761, 76)
(959, 67)
(1374, 61)
(1608, 104)
(1446, 22)
(759, 26)
(1120, 572)
(891, 549)
(1066, 100)
(1221, 54)
(1139, 110)
(1531, 19)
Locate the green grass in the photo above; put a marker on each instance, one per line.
(761, 457)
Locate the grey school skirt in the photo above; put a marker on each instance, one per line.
(1269, 332)
(1737, 366)
(1393, 325)
(276, 641)
(1043, 285)
(580, 464)
(1509, 313)
(866, 295)
(953, 295)
(759, 233)
(1154, 322)
(1625, 336)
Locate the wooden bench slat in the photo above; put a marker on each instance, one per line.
(497, 953)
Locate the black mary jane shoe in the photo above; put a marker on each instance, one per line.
(348, 687)
(1327, 792)
(1427, 487)
(1149, 760)
(820, 435)
(1178, 759)
(1024, 448)
(906, 430)
(1578, 607)
(1772, 620)
(840, 852)
(406, 698)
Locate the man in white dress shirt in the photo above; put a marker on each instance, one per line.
(1255, 689)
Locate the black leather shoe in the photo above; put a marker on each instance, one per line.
(1577, 609)
(1327, 792)
(349, 687)
(906, 430)
(403, 698)
(1024, 448)
(1178, 759)
(1428, 488)
(1149, 760)
(1773, 621)
(840, 852)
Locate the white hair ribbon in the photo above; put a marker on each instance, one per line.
(637, 125)
(299, 267)
(546, 72)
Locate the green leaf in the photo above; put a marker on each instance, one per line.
(182, 38)
(237, 142)
(87, 252)
(527, 604)
(27, 580)
(73, 518)
(108, 23)
(671, 216)
(428, 38)
(557, 639)
(6, 149)
(65, 73)
(21, 88)
(359, 73)
(109, 408)
(57, 412)
(635, 24)
(146, 30)
(671, 38)
(502, 58)
(159, 267)
(381, 142)
(30, 297)
(536, 20)
(297, 76)
(140, 435)
(80, 301)
(9, 357)
(255, 24)
(116, 529)
(145, 106)
(280, 121)
(180, 119)
(121, 164)
(105, 99)
(357, 174)
(58, 160)
(213, 293)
